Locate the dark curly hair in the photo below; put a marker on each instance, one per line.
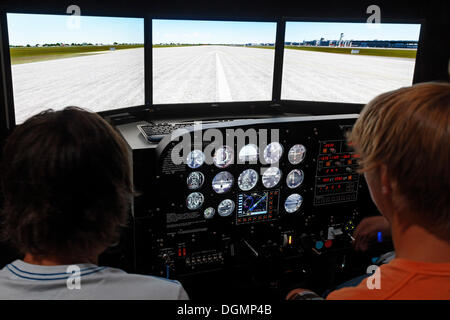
(66, 184)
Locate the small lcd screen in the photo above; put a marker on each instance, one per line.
(212, 61)
(96, 63)
(251, 204)
(347, 62)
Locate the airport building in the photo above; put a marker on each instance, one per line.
(404, 44)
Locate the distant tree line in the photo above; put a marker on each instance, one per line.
(73, 44)
(210, 44)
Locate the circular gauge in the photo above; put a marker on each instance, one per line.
(209, 212)
(248, 179)
(271, 177)
(223, 157)
(222, 182)
(195, 159)
(249, 153)
(194, 200)
(225, 208)
(195, 180)
(273, 152)
(295, 178)
(297, 154)
(293, 203)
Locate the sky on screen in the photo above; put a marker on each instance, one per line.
(185, 31)
(219, 32)
(39, 29)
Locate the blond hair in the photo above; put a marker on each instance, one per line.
(408, 130)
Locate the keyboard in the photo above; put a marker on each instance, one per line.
(155, 132)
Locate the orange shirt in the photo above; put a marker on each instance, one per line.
(402, 280)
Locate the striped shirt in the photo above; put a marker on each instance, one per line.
(20, 280)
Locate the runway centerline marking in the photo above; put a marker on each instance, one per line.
(223, 90)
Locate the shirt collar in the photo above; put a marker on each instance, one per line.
(25, 270)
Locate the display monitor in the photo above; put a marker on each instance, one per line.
(255, 203)
(212, 61)
(96, 63)
(347, 62)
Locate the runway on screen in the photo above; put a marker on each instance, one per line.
(97, 82)
(115, 79)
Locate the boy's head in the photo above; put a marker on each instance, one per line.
(66, 184)
(403, 140)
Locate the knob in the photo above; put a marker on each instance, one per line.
(319, 245)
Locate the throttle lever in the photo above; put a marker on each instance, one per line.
(252, 250)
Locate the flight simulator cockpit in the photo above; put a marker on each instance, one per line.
(245, 183)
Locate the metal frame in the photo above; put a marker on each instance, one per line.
(148, 61)
(7, 88)
(278, 63)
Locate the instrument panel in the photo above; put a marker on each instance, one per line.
(292, 193)
(251, 194)
(282, 165)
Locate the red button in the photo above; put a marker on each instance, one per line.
(328, 243)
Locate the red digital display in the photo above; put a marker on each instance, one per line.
(336, 177)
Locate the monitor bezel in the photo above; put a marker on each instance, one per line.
(207, 104)
(349, 107)
(7, 66)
